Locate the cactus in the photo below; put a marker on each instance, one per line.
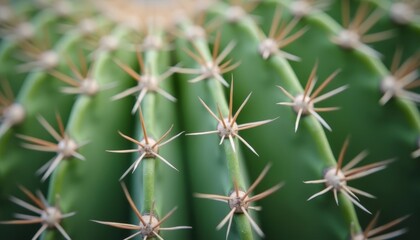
(298, 116)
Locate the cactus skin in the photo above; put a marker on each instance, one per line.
(91, 188)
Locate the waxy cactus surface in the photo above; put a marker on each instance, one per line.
(236, 119)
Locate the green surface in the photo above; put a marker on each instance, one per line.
(92, 189)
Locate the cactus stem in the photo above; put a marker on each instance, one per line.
(336, 178)
(239, 202)
(227, 128)
(303, 104)
(50, 216)
(215, 88)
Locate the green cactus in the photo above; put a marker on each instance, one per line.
(131, 116)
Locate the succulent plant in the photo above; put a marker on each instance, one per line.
(155, 98)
